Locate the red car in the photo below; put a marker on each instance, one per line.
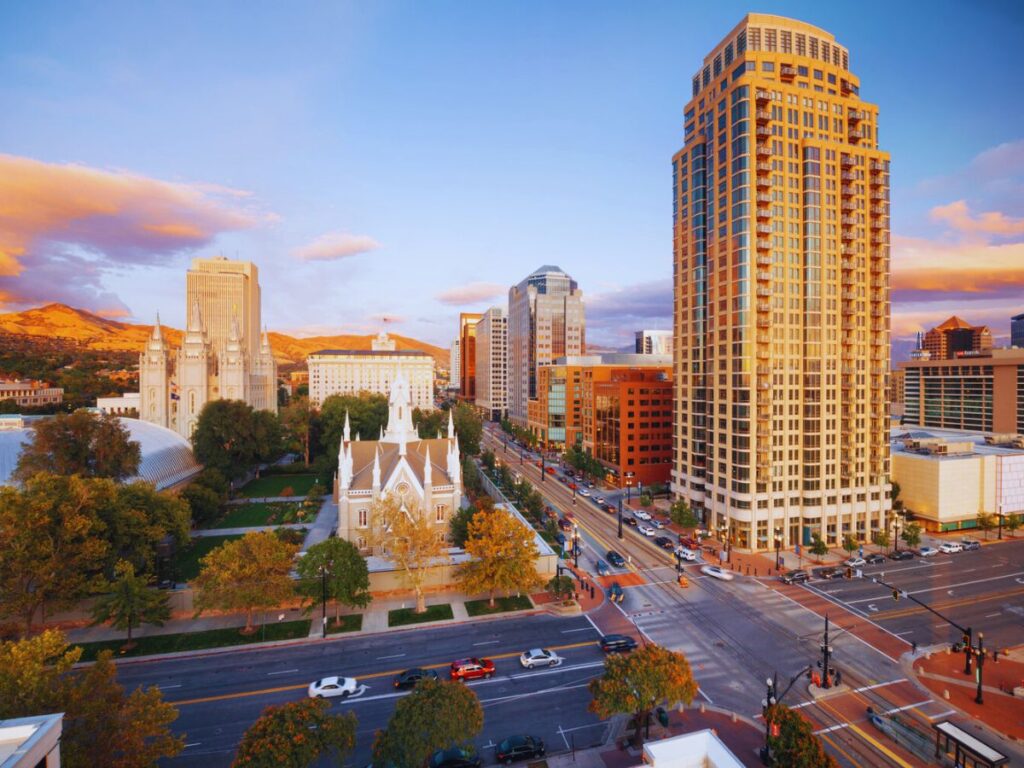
(690, 544)
(472, 669)
(572, 486)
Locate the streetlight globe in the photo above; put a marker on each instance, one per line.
(768, 681)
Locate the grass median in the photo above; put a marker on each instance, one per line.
(196, 641)
(501, 605)
(401, 617)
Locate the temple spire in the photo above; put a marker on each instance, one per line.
(347, 433)
(451, 425)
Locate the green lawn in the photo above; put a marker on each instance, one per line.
(192, 641)
(352, 622)
(186, 561)
(403, 616)
(501, 604)
(257, 513)
(275, 485)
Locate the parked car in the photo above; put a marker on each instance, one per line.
(472, 669)
(615, 593)
(615, 559)
(969, 544)
(901, 554)
(927, 551)
(565, 524)
(874, 559)
(646, 530)
(516, 748)
(409, 678)
(453, 758)
(630, 520)
(827, 573)
(563, 479)
(602, 568)
(855, 562)
(683, 553)
(609, 508)
(599, 501)
(617, 643)
(949, 547)
(560, 538)
(642, 515)
(665, 542)
(583, 492)
(550, 513)
(656, 523)
(330, 687)
(796, 576)
(590, 484)
(689, 543)
(716, 572)
(538, 657)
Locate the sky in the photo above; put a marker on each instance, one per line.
(390, 164)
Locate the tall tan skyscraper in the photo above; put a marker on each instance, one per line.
(225, 290)
(781, 281)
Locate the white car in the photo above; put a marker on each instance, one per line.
(332, 686)
(642, 515)
(538, 657)
(927, 552)
(686, 554)
(646, 530)
(599, 500)
(584, 492)
(950, 547)
(715, 572)
(855, 562)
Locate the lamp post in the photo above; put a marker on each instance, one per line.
(576, 545)
(620, 517)
(723, 548)
(574, 493)
(769, 700)
(978, 665)
(896, 530)
(778, 548)
(542, 467)
(323, 600)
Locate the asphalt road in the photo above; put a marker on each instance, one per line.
(220, 695)
(982, 589)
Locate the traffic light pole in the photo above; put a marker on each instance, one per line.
(826, 655)
(620, 516)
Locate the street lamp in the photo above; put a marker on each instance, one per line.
(574, 493)
(769, 700)
(896, 530)
(778, 548)
(576, 545)
(724, 548)
(620, 516)
(323, 597)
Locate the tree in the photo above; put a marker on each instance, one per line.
(488, 459)
(638, 682)
(682, 515)
(881, 538)
(1012, 523)
(267, 435)
(131, 603)
(367, 414)
(297, 735)
(246, 574)
(986, 522)
(297, 423)
(561, 586)
(347, 578)
(203, 503)
(429, 423)
(138, 518)
(850, 544)
(52, 546)
(409, 540)
(894, 494)
(80, 443)
(818, 546)
(101, 726)
(225, 437)
(471, 476)
(458, 526)
(468, 428)
(436, 715)
(504, 556)
(215, 480)
(911, 534)
(645, 500)
(796, 745)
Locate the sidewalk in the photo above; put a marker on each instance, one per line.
(201, 532)
(263, 499)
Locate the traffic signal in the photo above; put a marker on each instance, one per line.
(967, 640)
(895, 594)
(775, 730)
(849, 573)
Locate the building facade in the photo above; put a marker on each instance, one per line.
(454, 365)
(980, 393)
(127, 404)
(781, 285)
(653, 343)
(492, 363)
(955, 337)
(226, 360)
(545, 321)
(425, 474)
(1017, 330)
(31, 394)
(467, 355)
(351, 371)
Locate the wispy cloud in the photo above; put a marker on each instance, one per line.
(334, 246)
(614, 316)
(958, 216)
(471, 293)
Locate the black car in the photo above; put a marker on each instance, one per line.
(874, 559)
(828, 573)
(615, 559)
(410, 677)
(903, 554)
(795, 577)
(454, 758)
(664, 542)
(617, 643)
(630, 520)
(516, 748)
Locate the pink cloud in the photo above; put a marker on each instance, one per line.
(471, 293)
(958, 216)
(334, 246)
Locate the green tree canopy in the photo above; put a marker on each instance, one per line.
(347, 578)
(504, 556)
(300, 423)
(881, 538)
(227, 437)
(818, 545)
(458, 526)
(137, 518)
(468, 428)
(203, 503)
(430, 422)
(638, 682)
(436, 715)
(367, 413)
(682, 515)
(796, 746)
(80, 443)
(297, 735)
(130, 603)
(850, 543)
(911, 534)
(986, 522)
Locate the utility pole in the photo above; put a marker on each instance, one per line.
(826, 655)
(620, 516)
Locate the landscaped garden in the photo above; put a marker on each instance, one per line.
(278, 485)
(501, 605)
(401, 617)
(259, 513)
(186, 560)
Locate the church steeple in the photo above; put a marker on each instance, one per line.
(346, 433)
(400, 428)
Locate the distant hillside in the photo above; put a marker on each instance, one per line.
(77, 327)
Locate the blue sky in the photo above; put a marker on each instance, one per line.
(463, 143)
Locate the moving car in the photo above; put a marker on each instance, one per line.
(689, 543)
(584, 492)
(538, 657)
(329, 687)
(602, 568)
(609, 508)
(855, 562)
(874, 559)
(827, 573)
(901, 554)
(615, 593)
(657, 523)
(664, 542)
(715, 572)
(646, 530)
(472, 669)
(927, 551)
(686, 554)
(516, 748)
(453, 758)
(409, 678)
(630, 520)
(950, 547)
(969, 544)
(642, 515)
(615, 559)
(617, 643)
(600, 501)
(795, 577)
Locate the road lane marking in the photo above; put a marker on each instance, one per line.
(370, 676)
(878, 745)
(395, 656)
(983, 598)
(948, 587)
(856, 690)
(485, 642)
(907, 706)
(580, 629)
(193, 744)
(282, 672)
(947, 713)
(168, 687)
(993, 615)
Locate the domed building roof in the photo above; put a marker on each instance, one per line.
(166, 456)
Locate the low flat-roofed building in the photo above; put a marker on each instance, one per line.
(127, 404)
(351, 371)
(700, 749)
(948, 477)
(31, 742)
(30, 394)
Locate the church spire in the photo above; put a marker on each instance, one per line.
(347, 431)
(451, 425)
(428, 476)
(158, 333)
(195, 319)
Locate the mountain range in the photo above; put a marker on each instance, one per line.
(57, 322)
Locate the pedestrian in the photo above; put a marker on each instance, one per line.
(913, 647)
